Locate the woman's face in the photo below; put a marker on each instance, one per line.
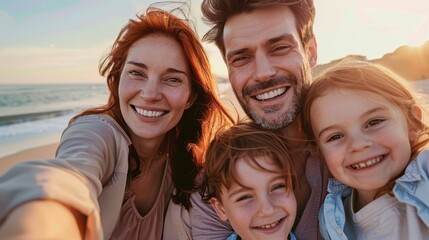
(155, 86)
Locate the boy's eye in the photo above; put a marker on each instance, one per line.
(242, 198)
(279, 186)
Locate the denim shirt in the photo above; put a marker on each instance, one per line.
(234, 236)
(412, 188)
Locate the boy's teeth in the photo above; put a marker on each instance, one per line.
(367, 163)
(271, 94)
(269, 225)
(147, 113)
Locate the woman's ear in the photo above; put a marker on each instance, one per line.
(220, 210)
(191, 100)
(417, 114)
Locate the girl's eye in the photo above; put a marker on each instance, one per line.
(374, 122)
(334, 137)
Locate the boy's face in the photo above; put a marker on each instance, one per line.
(265, 208)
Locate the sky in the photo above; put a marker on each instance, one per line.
(62, 41)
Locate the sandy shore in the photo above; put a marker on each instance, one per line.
(42, 152)
(46, 151)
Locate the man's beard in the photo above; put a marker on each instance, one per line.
(292, 111)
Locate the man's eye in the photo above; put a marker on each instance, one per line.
(279, 186)
(238, 61)
(281, 48)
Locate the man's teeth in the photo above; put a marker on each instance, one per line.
(367, 163)
(271, 94)
(147, 113)
(269, 225)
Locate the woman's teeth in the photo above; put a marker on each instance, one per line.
(147, 113)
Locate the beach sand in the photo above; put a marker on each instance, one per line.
(47, 151)
(42, 152)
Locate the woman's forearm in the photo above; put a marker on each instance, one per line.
(44, 219)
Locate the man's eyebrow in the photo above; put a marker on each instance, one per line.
(236, 52)
(288, 37)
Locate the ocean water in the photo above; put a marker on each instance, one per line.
(35, 115)
(28, 111)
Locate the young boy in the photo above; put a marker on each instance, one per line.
(249, 180)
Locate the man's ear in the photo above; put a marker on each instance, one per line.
(413, 131)
(312, 52)
(220, 210)
(191, 100)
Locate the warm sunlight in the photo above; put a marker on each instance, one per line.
(78, 33)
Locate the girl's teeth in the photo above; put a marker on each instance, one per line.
(367, 163)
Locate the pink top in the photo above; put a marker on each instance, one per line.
(131, 225)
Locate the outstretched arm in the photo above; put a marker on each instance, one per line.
(45, 219)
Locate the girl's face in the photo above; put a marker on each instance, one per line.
(264, 207)
(155, 86)
(363, 137)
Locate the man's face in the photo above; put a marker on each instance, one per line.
(267, 64)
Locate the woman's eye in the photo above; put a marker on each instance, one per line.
(135, 73)
(173, 81)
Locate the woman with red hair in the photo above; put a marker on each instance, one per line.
(118, 165)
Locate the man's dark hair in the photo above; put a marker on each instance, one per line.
(217, 12)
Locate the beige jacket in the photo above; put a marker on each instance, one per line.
(89, 174)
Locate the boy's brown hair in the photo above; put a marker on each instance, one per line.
(244, 140)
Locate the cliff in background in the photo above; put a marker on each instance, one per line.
(412, 63)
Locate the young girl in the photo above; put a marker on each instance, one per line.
(368, 126)
(249, 180)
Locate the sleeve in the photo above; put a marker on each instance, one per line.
(74, 177)
(206, 225)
